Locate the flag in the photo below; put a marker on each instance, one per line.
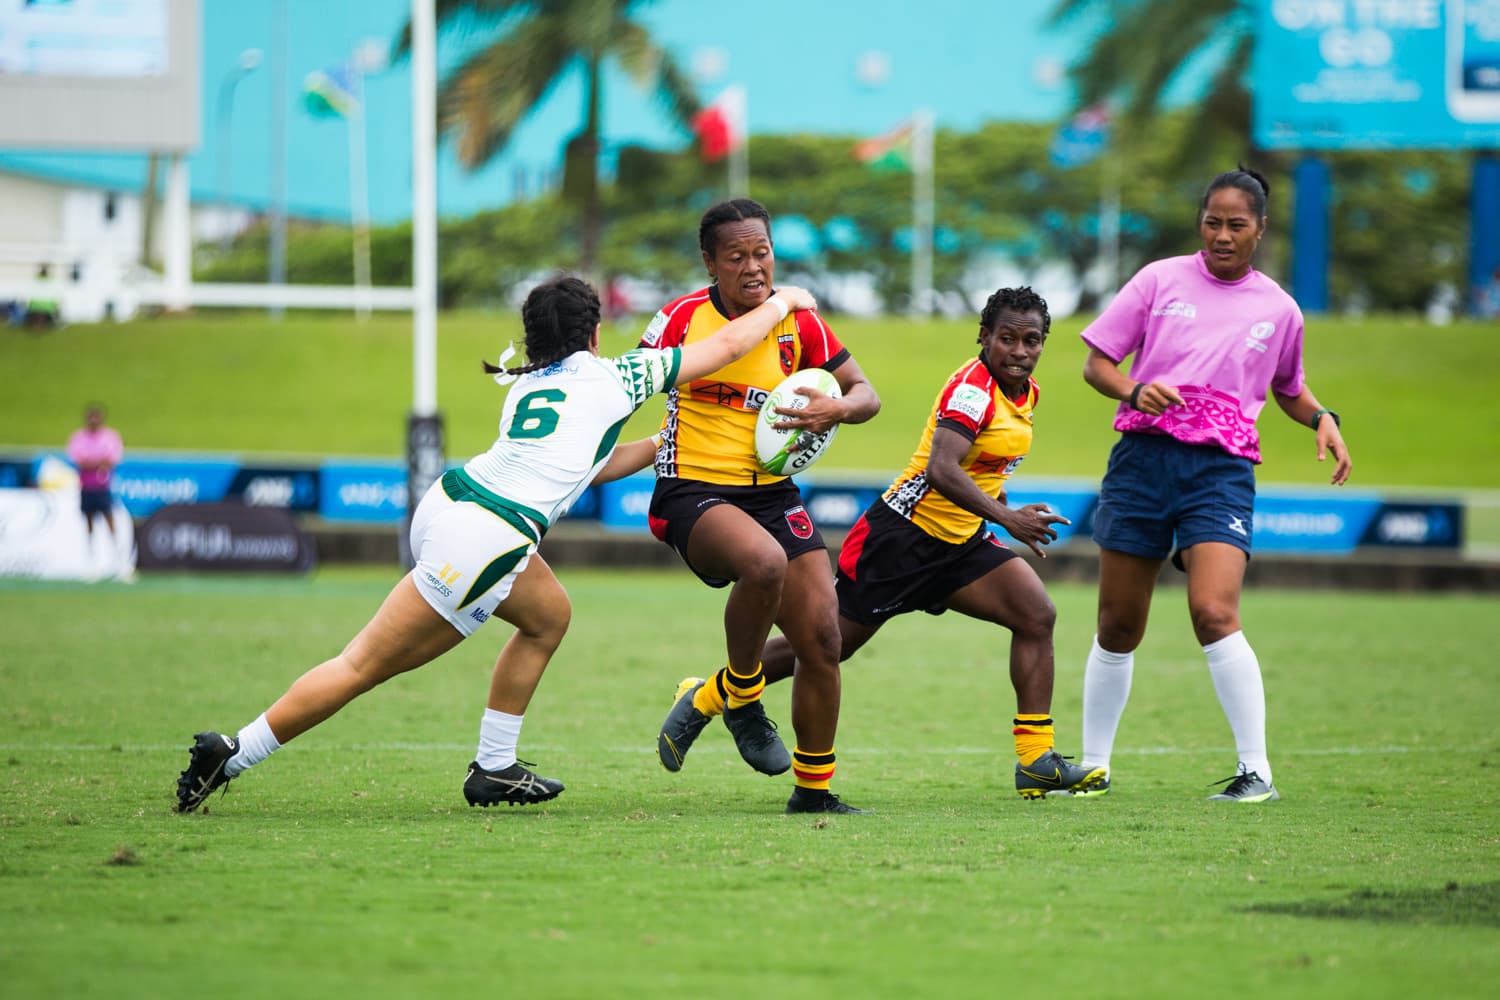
(892, 151)
(331, 92)
(1082, 139)
(721, 127)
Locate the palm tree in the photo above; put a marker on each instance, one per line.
(537, 43)
(1146, 44)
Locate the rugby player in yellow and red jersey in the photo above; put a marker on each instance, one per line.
(734, 523)
(925, 546)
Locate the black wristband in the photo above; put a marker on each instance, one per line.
(1317, 418)
(1135, 394)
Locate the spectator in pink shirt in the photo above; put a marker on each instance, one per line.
(95, 449)
(1210, 336)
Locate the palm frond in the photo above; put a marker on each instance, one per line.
(650, 65)
(463, 16)
(481, 102)
(1146, 43)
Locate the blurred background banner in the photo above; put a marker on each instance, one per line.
(1400, 73)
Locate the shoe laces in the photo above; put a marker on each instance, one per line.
(1239, 782)
(762, 735)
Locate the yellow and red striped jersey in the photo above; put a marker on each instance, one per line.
(973, 404)
(708, 433)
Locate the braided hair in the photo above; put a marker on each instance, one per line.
(1021, 300)
(559, 316)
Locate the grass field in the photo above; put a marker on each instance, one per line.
(348, 864)
(1418, 401)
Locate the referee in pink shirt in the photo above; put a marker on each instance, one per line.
(1210, 337)
(95, 449)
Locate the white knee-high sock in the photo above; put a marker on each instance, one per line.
(257, 742)
(1106, 688)
(1236, 674)
(499, 735)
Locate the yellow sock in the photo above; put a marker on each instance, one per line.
(710, 697)
(1033, 736)
(740, 690)
(812, 770)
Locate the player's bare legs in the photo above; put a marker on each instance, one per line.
(1012, 596)
(539, 608)
(810, 622)
(404, 634)
(727, 543)
(779, 661)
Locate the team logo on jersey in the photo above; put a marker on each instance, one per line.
(654, 329)
(799, 522)
(969, 400)
(1259, 334)
(786, 349)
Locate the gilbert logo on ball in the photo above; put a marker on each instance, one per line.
(786, 452)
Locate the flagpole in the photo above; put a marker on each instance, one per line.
(1109, 223)
(922, 214)
(739, 153)
(359, 196)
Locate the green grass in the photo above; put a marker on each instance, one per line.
(1417, 401)
(348, 864)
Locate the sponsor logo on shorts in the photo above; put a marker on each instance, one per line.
(480, 615)
(1238, 525)
(443, 580)
(1259, 334)
(799, 522)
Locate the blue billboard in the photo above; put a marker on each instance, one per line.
(1377, 74)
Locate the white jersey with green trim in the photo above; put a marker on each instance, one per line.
(561, 422)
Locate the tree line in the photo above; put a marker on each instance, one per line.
(1399, 221)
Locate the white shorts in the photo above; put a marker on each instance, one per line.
(467, 557)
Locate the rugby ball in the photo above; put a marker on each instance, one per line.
(786, 452)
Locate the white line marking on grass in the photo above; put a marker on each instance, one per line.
(859, 751)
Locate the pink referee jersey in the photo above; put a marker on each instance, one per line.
(1221, 344)
(90, 447)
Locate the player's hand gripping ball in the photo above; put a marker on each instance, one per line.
(786, 452)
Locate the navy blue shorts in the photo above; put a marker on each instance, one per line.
(1158, 492)
(93, 502)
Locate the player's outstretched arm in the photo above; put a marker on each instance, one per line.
(736, 339)
(628, 459)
